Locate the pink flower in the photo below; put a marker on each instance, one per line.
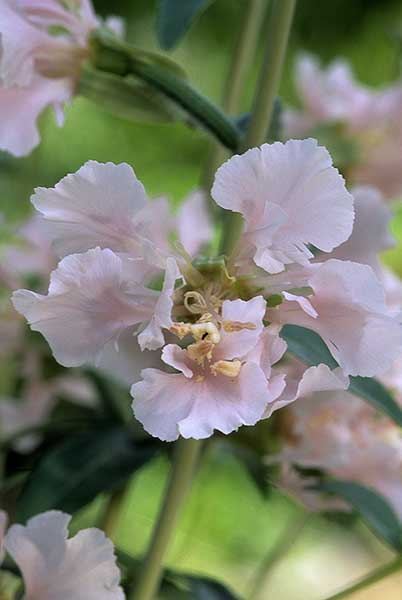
(342, 435)
(39, 68)
(106, 205)
(290, 196)
(91, 301)
(222, 382)
(371, 231)
(79, 568)
(347, 308)
(370, 118)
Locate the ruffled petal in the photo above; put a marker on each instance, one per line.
(96, 206)
(298, 179)
(20, 109)
(89, 303)
(80, 568)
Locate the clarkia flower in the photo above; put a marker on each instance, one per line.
(224, 377)
(344, 437)
(367, 118)
(79, 568)
(291, 197)
(43, 43)
(218, 319)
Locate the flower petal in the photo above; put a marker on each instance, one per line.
(79, 568)
(20, 109)
(298, 179)
(194, 224)
(88, 304)
(96, 206)
(353, 319)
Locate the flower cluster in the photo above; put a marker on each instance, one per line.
(218, 320)
(369, 119)
(345, 438)
(43, 44)
(52, 566)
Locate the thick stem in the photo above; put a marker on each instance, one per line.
(267, 88)
(243, 53)
(185, 460)
(374, 577)
(112, 513)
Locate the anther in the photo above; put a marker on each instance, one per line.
(228, 368)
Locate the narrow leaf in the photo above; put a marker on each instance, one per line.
(372, 507)
(310, 348)
(74, 472)
(175, 17)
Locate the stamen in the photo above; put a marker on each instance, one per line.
(199, 351)
(195, 303)
(199, 330)
(231, 326)
(228, 368)
(181, 329)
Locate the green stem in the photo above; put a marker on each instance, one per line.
(267, 88)
(287, 539)
(243, 53)
(115, 57)
(374, 577)
(185, 460)
(112, 513)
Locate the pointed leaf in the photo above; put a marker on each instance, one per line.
(71, 474)
(310, 348)
(175, 17)
(372, 507)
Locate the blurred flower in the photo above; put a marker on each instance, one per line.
(53, 566)
(43, 43)
(344, 437)
(120, 274)
(370, 118)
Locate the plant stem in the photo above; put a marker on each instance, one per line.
(185, 460)
(243, 53)
(111, 514)
(374, 577)
(286, 540)
(267, 87)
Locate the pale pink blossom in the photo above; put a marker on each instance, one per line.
(342, 435)
(221, 382)
(105, 205)
(371, 233)
(370, 119)
(90, 302)
(194, 226)
(347, 309)
(55, 567)
(290, 196)
(39, 68)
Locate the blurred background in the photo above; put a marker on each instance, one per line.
(228, 528)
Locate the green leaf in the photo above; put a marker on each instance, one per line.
(185, 587)
(203, 588)
(115, 57)
(372, 507)
(71, 474)
(175, 17)
(310, 348)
